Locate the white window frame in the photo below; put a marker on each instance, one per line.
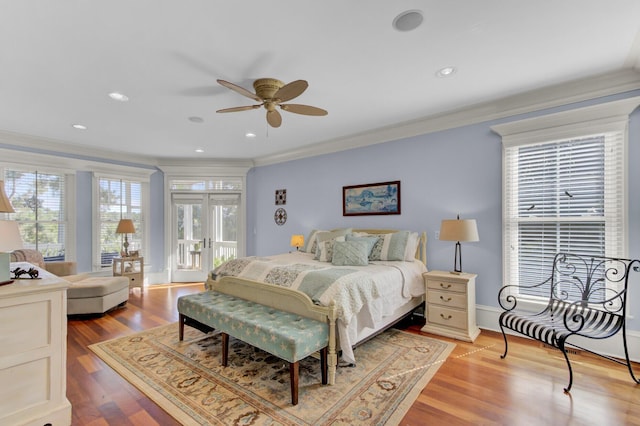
(571, 124)
(143, 179)
(38, 165)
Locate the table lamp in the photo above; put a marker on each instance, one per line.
(125, 226)
(10, 238)
(297, 241)
(458, 230)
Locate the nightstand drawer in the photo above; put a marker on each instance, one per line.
(445, 316)
(449, 299)
(447, 285)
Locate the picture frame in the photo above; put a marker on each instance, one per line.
(381, 198)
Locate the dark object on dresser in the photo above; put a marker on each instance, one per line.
(587, 298)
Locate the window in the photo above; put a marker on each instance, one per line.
(564, 190)
(118, 199)
(40, 202)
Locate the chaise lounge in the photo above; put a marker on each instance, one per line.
(86, 294)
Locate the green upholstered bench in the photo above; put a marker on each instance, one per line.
(288, 336)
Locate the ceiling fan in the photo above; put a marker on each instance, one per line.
(271, 93)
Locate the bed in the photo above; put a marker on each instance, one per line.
(370, 294)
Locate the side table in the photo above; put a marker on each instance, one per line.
(451, 305)
(132, 268)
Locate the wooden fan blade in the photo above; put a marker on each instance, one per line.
(274, 118)
(303, 109)
(242, 108)
(291, 90)
(241, 90)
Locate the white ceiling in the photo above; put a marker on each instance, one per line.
(60, 59)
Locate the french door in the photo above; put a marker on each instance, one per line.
(205, 233)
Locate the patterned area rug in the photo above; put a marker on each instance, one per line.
(186, 379)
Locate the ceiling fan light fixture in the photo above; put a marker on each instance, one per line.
(408, 20)
(195, 119)
(249, 135)
(79, 126)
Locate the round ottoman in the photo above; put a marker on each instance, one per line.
(96, 295)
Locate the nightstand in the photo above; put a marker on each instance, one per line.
(451, 305)
(132, 268)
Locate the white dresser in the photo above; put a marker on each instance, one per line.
(33, 351)
(451, 305)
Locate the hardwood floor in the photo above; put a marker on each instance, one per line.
(474, 386)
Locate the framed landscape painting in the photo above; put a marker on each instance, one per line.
(371, 199)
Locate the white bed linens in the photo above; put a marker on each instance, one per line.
(372, 291)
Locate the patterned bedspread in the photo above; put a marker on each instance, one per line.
(352, 287)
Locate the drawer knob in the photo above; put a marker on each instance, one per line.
(448, 299)
(445, 286)
(448, 317)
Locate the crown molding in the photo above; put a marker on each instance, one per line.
(195, 168)
(548, 97)
(55, 147)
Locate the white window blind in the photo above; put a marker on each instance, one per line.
(118, 199)
(566, 195)
(39, 200)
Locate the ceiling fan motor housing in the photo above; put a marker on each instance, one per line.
(266, 88)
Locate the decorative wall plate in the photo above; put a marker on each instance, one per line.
(280, 216)
(281, 197)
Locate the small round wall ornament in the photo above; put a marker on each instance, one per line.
(280, 216)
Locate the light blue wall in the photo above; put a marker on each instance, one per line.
(442, 174)
(156, 223)
(84, 227)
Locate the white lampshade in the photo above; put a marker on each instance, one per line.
(459, 230)
(10, 238)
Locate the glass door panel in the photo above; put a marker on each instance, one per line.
(189, 228)
(205, 233)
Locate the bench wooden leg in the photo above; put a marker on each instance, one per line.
(293, 372)
(323, 364)
(225, 349)
(181, 327)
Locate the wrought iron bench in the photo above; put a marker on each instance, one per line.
(587, 297)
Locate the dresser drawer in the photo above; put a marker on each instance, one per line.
(446, 285)
(445, 298)
(446, 316)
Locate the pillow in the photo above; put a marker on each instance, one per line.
(324, 250)
(370, 240)
(310, 242)
(399, 245)
(330, 235)
(350, 253)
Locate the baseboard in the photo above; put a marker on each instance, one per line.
(487, 317)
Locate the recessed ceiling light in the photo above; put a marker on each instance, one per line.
(250, 135)
(195, 119)
(199, 150)
(118, 96)
(79, 127)
(408, 20)
(446, 72)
